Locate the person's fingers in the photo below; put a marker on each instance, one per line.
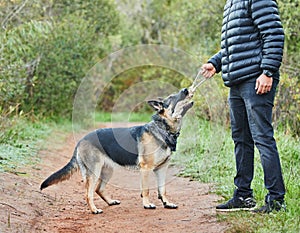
(263, 85)
(259, 87)
(269, 87)
(208, 70)
(262, 88)
(205, 72)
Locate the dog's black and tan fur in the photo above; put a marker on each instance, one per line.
(148, 147)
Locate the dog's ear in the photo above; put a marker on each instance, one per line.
(156, 105)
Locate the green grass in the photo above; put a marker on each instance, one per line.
(21, 140)
(207, 152)
(19, 144)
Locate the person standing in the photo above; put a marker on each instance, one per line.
(251, 52)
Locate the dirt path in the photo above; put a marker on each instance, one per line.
(62, 208)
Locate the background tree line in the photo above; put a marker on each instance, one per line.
(47, 46)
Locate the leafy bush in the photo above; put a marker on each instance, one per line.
(44, 64)
(67, 54)
(19, 58)
(44, 60)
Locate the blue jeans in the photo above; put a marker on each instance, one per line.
(251, 124)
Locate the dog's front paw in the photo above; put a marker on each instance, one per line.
(114, 202)
(97, 211)
(170, 206)
(150, 206)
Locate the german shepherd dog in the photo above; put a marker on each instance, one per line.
(148, 147)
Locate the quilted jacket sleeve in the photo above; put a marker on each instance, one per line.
(216, 61)
(266, 18)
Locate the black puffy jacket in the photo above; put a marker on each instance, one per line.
(252, 41)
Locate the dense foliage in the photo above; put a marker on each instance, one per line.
(48, 46)
(44, 58)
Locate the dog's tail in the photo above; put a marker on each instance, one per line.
(63, 174)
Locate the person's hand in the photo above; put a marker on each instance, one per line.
(263, 84)
(208, 70)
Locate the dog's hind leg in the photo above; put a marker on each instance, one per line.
(161, 173)
(106, 174)
(91, 183)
